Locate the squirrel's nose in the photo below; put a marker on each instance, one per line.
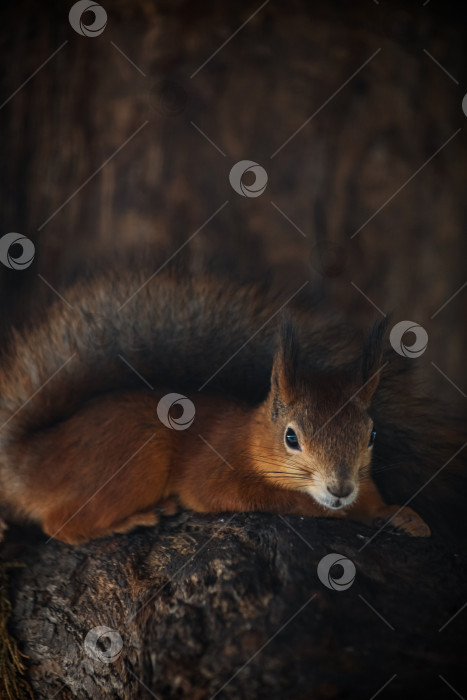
(341, 490)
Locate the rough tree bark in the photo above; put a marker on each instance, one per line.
(231, 607)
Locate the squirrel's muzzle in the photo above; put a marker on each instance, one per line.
(333, 493)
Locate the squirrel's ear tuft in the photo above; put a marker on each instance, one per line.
(285, 366)
(371, 360)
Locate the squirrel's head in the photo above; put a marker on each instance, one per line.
(322, 433)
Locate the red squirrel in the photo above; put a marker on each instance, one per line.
(84, 454)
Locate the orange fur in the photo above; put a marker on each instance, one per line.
(105, 468)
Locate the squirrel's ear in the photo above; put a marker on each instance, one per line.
(371, 361)
(285, 365)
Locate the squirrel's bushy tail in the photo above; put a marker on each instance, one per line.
(118, 330)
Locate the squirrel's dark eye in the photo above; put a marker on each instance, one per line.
(372, 438)
(291, 439)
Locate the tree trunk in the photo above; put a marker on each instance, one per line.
(232, 607)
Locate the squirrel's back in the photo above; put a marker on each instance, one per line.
(114, 326)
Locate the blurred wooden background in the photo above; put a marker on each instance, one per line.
(144, 114)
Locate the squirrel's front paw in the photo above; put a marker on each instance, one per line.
(402, 519)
